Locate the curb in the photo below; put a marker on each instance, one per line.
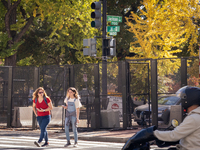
(98, 138)
(105, 139)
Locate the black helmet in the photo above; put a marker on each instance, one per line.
(189, 96)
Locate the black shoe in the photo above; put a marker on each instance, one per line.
(75, 144)
(68, 143)
(37, 144)
(45, 144)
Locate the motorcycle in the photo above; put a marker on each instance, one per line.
(143, 139)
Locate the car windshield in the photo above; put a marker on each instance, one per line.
(171, 100)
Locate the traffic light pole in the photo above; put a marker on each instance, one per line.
(104, 25)
(104, 58)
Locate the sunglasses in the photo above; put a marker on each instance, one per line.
(40, 92)
(72, 90)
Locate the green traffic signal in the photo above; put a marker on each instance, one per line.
(96, 15)
(93, 24)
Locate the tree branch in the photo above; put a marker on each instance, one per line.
(23, 12)
(23, 30)
(56, 61)
(196, 21)
(7, 18)
(5, 3)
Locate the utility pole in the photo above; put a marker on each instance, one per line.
(91, 51)
(104, 57)
(104, 22)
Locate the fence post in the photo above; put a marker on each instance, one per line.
(36, 85)
(183, 72)
(66, 80)
(97, 97)
(104, 84)
(154, 89)
(124, 93)
(9, 102)
(119, 76)
(128, 95)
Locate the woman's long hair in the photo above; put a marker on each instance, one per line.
(35, 94)
(76, 95)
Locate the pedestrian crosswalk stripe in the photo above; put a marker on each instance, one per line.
(21, 141)
(23, 138)
(8, 145)
(15, 139)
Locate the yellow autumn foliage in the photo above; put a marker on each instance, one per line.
(162, 26)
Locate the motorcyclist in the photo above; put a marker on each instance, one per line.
(188, 132)
(186, 135)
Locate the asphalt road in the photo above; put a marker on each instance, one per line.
(26, 142)
(16, 142)
(21, 140)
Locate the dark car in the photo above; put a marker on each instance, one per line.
(142, 113)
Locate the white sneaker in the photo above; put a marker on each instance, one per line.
(76, 144)
(37, 144)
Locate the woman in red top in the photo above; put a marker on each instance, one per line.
(43, 105)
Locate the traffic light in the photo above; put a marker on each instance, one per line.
(91, 44)
(110, 47)
(96, 14)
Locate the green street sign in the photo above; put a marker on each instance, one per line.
(114, 23)
(114, 18)
(112, 33)
(113, 28)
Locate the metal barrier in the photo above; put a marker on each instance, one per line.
(124, 86)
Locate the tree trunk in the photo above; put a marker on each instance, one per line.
(11, 60)
(10, 19)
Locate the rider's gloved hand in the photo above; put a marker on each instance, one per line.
(160, 143)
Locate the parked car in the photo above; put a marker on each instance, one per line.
(142, 112)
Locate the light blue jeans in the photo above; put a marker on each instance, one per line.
(74, 128)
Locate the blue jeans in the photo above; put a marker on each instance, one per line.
(74, 128)
(43, 121)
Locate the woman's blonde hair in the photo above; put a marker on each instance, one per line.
(75, 93)
(35, 94)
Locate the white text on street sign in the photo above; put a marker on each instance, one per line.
(114, 23)
(114, 18)
(112, 33)
(113, 28)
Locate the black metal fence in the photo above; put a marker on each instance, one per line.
(124, 86)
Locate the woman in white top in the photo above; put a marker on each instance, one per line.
(72, 107)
